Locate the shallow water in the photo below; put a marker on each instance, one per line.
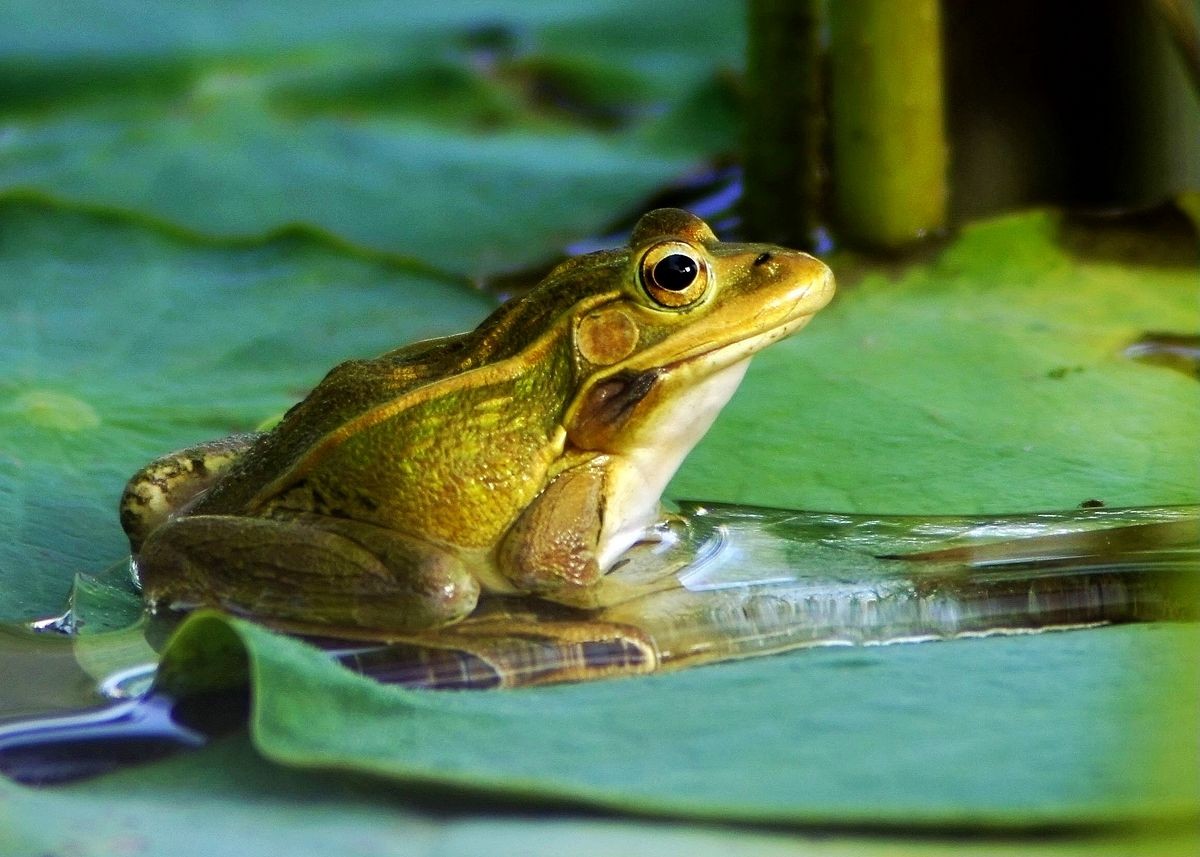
(727, 582)
(716, 582)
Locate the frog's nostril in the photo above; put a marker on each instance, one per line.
(762, 259)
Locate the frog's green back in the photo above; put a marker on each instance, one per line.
(357, 387)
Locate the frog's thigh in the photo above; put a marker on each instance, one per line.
(166, 484)
(552, 547)
(314, 570)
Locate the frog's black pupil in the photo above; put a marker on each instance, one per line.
(675, 272)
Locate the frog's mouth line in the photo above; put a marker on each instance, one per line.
(722, 356)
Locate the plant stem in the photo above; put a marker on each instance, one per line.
(784, 122)
(889, 142)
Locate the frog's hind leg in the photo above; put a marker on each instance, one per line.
(167, 484)
(310, 569)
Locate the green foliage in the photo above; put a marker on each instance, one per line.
(405, 133)
(663, 744)
(201, 211)
(248, 806)
(988, 380)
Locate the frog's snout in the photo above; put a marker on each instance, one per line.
(813, 285)
(821, 290)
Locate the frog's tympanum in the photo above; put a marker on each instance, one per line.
(522, 457)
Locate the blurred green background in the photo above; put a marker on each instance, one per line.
(204, 207)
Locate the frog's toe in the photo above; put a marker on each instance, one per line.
(169, 483)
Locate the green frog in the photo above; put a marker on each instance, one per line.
(523, 457)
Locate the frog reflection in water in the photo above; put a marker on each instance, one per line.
(522, 457)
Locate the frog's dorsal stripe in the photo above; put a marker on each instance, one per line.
(487, 374)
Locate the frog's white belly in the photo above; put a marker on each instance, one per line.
(641, 473)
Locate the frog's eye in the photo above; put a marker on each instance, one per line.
(673, 274)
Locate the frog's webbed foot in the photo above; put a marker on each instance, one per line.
(167, 484)
(309, 569)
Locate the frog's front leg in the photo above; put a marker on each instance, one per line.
(306, 569)
(167, 484)
(554, 548)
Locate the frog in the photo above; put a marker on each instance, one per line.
(522, 458)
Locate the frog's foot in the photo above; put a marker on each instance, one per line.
(498, 650)
(314, 570)
(167, 484)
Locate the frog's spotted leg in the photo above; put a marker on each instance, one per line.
(347, 573)
(167, 484)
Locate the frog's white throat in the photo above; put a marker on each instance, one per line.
(642, 471)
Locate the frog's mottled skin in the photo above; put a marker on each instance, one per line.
(524, 456)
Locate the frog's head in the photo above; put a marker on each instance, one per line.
(664, 346)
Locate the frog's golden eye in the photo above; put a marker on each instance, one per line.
(673, 274)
